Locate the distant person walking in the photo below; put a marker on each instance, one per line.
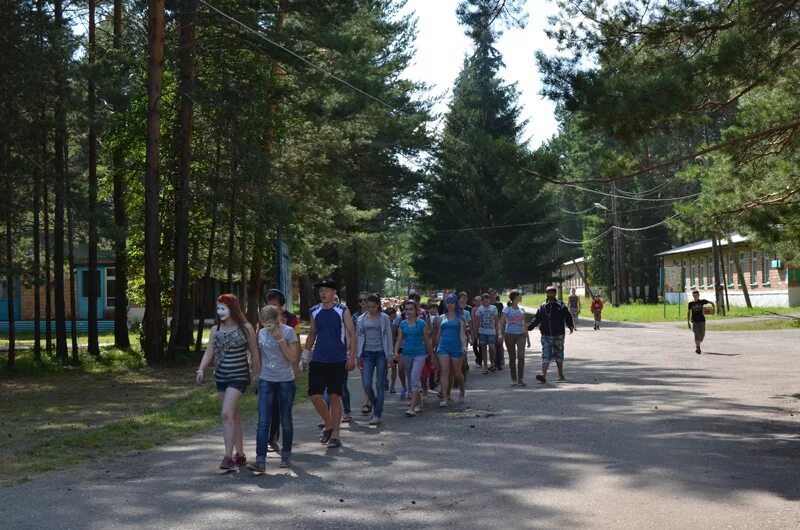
(552, 318)
(695, 317)
(574, 304)
(374, 335)
(512, 325)
(486, 332)
(451, 346)
(413, 336)
(597, 310)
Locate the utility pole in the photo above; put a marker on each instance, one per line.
(615, 219)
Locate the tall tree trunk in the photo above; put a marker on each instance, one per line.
(243, 270)
(231, 233)
(740, 273)
(121, 336)
(48, 283)
(152, 227)
(37, 267)
(94, 282)
(205, 286)
(12, 352)
(180, 334)
(718, 288)
(73, 298)
(256, 270)
(39, 179)
(306, 288)
(59, 152)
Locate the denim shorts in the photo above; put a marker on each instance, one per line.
(455, 354)
(241, 386)
(486, 338)
(553, 348)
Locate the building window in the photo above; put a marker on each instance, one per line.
(754, 268)
(701, 279)
(765, 269)
(711, 276)
(111, 285)
(692, 282)
(731, 271)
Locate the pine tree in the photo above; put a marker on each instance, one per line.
(487, 222)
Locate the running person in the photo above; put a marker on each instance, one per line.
(332, 337)
(276, 363)
(230, 340)
(697, 319)
(512, 324)
(452, 332)
(374, 333)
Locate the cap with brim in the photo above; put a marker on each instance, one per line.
(326, 282)
(550, 288)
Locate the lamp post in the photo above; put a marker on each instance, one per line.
(615, 248)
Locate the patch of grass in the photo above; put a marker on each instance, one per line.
(655, 312)
(761, 325)
(97, 410)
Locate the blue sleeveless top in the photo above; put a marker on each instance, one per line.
(413, 343)
(450, 339)
(331, 343)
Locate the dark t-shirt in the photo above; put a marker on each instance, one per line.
(697, 310)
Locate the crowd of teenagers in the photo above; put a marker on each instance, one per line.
(410, 347)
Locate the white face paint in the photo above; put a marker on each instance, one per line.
(223, 312)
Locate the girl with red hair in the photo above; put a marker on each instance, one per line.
(230, 340)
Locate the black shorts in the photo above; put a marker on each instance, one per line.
(326, 376)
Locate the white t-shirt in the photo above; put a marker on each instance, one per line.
(274, 366)
(487, 319)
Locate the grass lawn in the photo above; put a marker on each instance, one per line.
(762, 325)
(655, 312)
(56, 419)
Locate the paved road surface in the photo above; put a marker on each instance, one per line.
(645, 434)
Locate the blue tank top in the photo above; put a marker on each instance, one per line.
(413, 344)
(331, 343)
(450, 340)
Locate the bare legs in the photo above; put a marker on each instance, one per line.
(231, 421)
(333, 417)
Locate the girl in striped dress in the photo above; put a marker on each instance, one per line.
(231, 339)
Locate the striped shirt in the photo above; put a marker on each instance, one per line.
(230, 349)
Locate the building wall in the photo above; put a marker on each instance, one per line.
(767, 286)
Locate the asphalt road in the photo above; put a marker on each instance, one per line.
(644, 434)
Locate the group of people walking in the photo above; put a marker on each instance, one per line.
(424, 344)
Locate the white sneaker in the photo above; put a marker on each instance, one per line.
(443, 403)
(418, 408)
(375, 420)
(410, 412)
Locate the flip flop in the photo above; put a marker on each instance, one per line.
(366, 409)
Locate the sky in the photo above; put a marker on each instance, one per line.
(441, 46)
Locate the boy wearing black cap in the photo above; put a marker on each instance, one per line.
(333, 339)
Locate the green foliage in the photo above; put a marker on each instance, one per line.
(486, 220)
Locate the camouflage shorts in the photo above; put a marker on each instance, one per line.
(553, 348)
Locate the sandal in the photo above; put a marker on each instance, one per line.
(366, 409)
(334, 443)
(346, 418)
(326, 436)
(485, 371)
